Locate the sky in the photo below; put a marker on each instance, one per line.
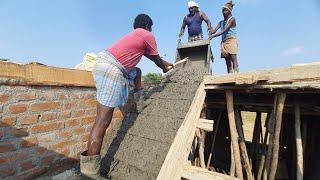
(271, 33)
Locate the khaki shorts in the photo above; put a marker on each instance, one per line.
(228, 47)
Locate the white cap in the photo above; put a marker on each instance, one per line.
(192, 4)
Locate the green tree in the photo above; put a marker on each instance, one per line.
(152, 78)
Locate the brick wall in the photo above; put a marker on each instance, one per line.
(43, 127)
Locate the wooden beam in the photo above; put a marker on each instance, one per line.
(298, 141)
(275, 147)
(180, 148)
(243, 148)
(214, 138)
(234, 134)
(196, 173)
(205, 124)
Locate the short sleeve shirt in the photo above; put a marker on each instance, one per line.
(130, 49)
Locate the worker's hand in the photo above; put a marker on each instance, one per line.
(166, 66)
(180, 34)
(212, 36)
(210, 30)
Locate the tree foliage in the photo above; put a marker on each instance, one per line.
(152, 78)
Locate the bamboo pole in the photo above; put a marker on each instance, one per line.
(298, 141)
(232, 165)
(234, 134)
(214, 138)
(270, 127)
(255, 141)
(261, 167)
(243, 148)
(201, 148)
(275, 148)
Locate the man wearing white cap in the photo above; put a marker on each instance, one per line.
(194, 21)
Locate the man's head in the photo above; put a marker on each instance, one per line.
(193, 7)
(227, 8)
(143, 21)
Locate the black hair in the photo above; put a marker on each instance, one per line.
(141, 21)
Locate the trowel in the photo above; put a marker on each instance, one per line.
(171, 68)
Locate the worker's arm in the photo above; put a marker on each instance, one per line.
(183, 26)
(164, 65)
(206, 19)
(216, 28)
(230, 24)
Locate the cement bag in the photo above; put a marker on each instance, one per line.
(88, 62)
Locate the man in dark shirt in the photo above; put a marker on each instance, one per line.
(194, 21)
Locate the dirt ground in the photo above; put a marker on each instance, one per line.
(248, 119)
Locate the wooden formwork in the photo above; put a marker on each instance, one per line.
(211, 144)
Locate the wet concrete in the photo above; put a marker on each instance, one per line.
(136, 148)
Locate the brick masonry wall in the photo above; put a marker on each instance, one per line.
(44, 128)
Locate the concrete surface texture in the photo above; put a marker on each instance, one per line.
(136, 147)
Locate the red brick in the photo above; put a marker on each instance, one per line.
(72, 122)
(91, 112)
(29, 119)
(77, 113)
(64, 114)
(79, 130)
(17, 108)
(7, 171)
(26, 165)
(29, 142)
(77, 96)
(8, 121)
(61, 163)
(63, 144)
(88, 120)
(65, 134)
(40, 151)
(88, 128)
(91, 103)
(4, 97)
(90, 95)
(26, 96)
(81, 104)
(47, 127)
(32, 173)
(85, 137)
(46, 106)
(48, 159)
(62, 96)
(19, 132)
(16, 156)
(7, 147)
(69, 105)
(64, 151)
(48, 116)
(48, 96)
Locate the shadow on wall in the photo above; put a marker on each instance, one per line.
(22, 158)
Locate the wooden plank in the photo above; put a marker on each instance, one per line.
(196, 173)
(34, 74)
(234, 134)
(180, 148)
(205, 124)
(309, 72)
(298, 141)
